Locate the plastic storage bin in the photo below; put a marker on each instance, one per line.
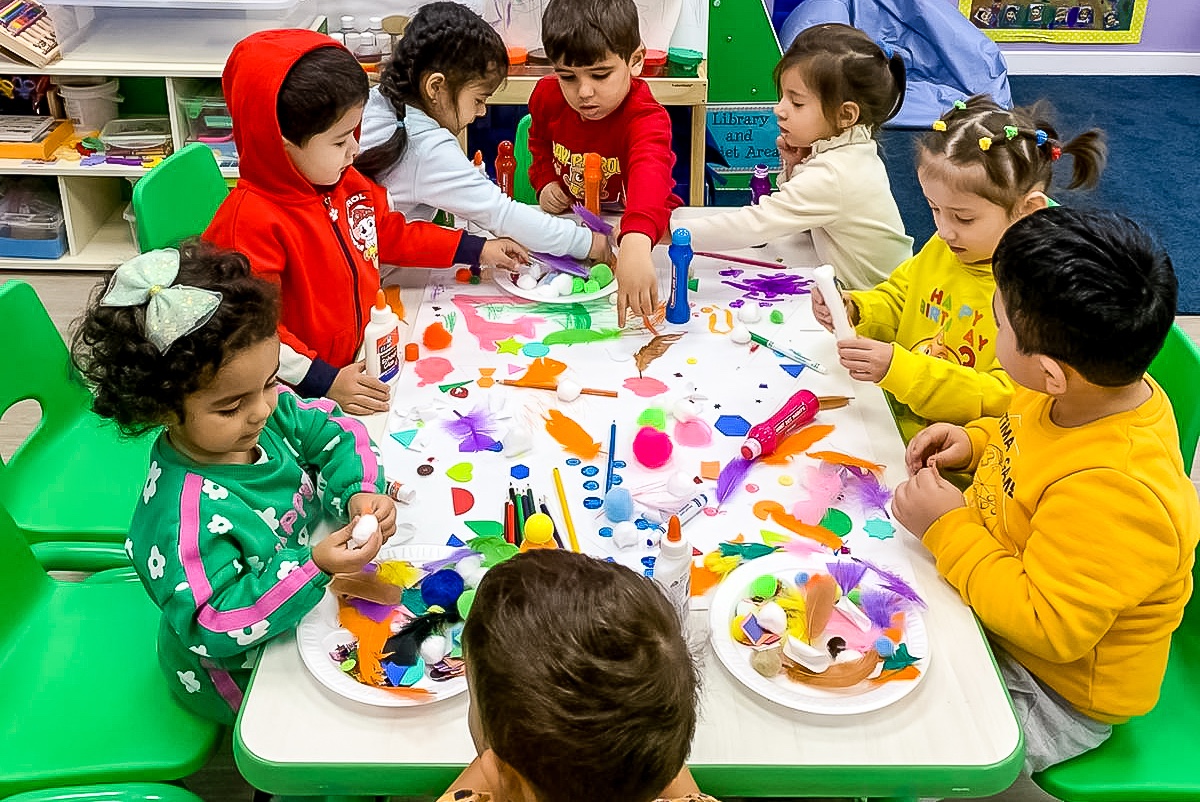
(203, 110)
(137, 136)
(92, 104)
(31, 221)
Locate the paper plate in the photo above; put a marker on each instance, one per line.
(504, 281)
(319, 633)
(861, 698)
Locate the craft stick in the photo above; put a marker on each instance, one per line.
(612, 451)
(832, 401)
(539, 386)
(562, 500)
(742, 260)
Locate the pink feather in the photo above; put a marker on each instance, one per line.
(474, 430)
(731, 477)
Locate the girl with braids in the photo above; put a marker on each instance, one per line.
(927, 335)
(836, 87)
(439, 77)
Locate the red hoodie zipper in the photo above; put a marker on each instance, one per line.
(337, 234)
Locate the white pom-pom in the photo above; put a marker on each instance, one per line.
(739, 334)
(568, 390)
(680, 484)
(772, 618)
(526, 281)
(518, 440)
(749, 313)
(562, 284)
(684, 409)
(367, 525)
(626, 535)
(434, 648)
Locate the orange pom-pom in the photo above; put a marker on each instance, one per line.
(436, 337)
(463, 275)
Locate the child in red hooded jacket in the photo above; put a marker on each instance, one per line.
(312, 223)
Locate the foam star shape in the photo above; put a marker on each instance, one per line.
(509, 346)
(879, 529)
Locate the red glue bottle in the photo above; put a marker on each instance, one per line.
(797, 412)
(506, 167)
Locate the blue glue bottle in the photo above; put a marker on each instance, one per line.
(760, 183)
(680, 252)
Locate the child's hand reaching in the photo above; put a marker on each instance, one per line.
(337, 555)
(503, 252)
(867, 360)
(601, 248)
(554, 199)
(924, 498)
(379, 505)
(637, 283)
(943, 444)
(357, 393)
(820, 308)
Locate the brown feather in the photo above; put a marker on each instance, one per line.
(653, 350)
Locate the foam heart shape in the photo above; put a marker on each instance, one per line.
(461, 472)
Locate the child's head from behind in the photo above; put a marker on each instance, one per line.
(596, 48)
(448, 64)
(319, 108)
(181, 338)
(580, 679)
(1089, 290)
(831, 78)
(984, 167)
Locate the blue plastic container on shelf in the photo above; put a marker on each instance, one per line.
(34, 237)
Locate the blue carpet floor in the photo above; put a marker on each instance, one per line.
(1153, 127)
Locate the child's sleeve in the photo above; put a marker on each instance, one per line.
(541, 165)
(421, 244)
(940, 390)
(649, 187)
(337, 446)
(880, 308)
(811, 199)
(1062, 595)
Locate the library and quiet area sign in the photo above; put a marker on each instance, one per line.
(745, 135)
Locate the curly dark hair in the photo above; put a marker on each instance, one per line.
(442, 37)
(140, 388)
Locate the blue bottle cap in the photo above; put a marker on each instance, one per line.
(681, 236)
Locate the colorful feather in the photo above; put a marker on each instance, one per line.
(820, 593)
(560, 264)
(542, 370)
(838, 458)
(879, 606)
(474, 430)
(731, 477)
(893, 582)
(847, 575)
(573, 437)
(796, 443)
(592, 221)
(653, 350)
(872, 493)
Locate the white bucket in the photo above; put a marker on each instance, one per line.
(90, 107)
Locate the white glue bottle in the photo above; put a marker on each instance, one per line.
(381, 340)
(673, 569)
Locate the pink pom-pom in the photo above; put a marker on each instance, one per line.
(651, 447)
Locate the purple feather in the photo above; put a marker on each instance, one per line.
(879, 606)
(474, 430)
(446, 562)
(873, 493)
(893, 582)
(560, 264)
(592, 221)
(847, 575)
(731, 477)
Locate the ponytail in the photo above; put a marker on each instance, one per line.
(899, 74)
(395, 87)
(1088, 155)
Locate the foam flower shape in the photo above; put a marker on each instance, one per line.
(151, 486)
(219, 525)
(213, 490)
(256, 631)
(188, 680)
(269, 517)
(285, 568)
(157, 563)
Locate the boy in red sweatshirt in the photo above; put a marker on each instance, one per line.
(594, 103)
(312, 223)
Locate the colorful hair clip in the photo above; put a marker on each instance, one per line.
(960, 105)
(1010, 132)
(939, 125)
(1055, 152)
(985, 143)
(1040, 136)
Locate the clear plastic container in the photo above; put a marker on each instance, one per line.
(202, 107)
(135, 136)
(31, 220)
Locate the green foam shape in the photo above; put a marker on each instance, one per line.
(495, 550)
(591, 285)
(576, 336)
(773, 538)
(601, 274)
(411, 598)
(837, 522)
(445, 388)
(693, 284)
(577, 285)
(465, 600)
(486, 528)
(654, 417)
(776, 316)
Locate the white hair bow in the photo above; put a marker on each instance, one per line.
(172, 310)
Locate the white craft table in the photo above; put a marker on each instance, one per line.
(954, 735)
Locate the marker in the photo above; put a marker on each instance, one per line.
(690, 510)
(788, 353)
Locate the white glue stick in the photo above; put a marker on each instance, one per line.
(833, 299)
(367, 525)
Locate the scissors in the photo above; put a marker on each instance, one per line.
(20, 86)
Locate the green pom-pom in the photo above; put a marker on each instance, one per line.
(855, 595)
(591, 285)
(693, 284)
(474, 279)
(601, 274)
(577, 285)
(776, 316)
(764, 587)
(654, 417)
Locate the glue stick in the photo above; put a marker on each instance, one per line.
(673, 569)
(381, 340)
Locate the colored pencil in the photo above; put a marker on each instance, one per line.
(585, 390)
(742, 260)
(510, 522)
(612, 455)
(546, 511)
(562, 500)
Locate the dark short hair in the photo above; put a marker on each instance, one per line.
(581, 677)
(138, 387)
(1090, 289)
(576, 33)
(320, 87)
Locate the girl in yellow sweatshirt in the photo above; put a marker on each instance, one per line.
(927, 334)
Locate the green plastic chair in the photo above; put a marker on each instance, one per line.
(75, 477)
(178, 198)
(83, 696)
(127, 792)
(1152, 758)
(522, 188)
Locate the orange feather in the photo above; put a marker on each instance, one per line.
(573, 438)
(838, 458)
(796, 443)
(773, 509)
(372, 638)
(542, 370)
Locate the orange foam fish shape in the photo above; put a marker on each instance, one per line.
(774, 510)
(571, 435)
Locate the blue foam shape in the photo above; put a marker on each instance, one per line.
(573, 461)
(496, 446)
(732, 425)
(395, 674)
(792, 370)
(519, 471)
(454, 541)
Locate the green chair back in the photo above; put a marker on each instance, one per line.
(75, 476)
(83, 696)
(178, 198)
(126, 792)
(522, 188)
(1177, 370)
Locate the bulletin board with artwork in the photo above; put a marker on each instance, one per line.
(1060, 21)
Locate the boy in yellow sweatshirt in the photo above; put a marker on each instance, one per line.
(1075, 542)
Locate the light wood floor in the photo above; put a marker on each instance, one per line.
(65, 296)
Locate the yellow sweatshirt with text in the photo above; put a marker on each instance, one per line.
(937, 313)
(1076, 547)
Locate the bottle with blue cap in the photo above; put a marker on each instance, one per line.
(680, 252)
